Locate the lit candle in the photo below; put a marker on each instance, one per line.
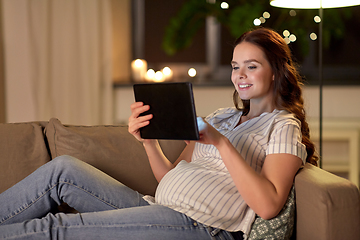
(159, 77)
(150, 75)
(138, 68)
(192, 72)
(168, 73)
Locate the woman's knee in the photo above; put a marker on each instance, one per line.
(64, 160)
(67, 163)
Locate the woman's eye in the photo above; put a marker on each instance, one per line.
(235, 68)
(252, 67)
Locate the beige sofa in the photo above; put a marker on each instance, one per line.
(328, 207)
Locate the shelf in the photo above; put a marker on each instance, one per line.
(341, 133)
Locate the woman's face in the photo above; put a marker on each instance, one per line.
(252, 75)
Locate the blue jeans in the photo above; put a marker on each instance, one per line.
(108, 209)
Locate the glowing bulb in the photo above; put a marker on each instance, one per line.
(192, 72)
(317, 19)
(262, 19)
(257, 22)
(286, 33)
(224, 5)
(292, 13)
(266, 15)
(287, 40)
(313, 36)
(292, 38)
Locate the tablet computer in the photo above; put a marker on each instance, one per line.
(173, 109)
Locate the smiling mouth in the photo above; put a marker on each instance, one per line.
(242, 86)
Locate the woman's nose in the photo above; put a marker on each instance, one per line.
(241, 74)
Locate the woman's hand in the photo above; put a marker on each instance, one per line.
(136, 121)
(209, 135)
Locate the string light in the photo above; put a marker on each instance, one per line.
(317, 19)
(224, 5)
(292, 38)
(257, 22)
(266, 15)
(292, 13)
(288, 37)
(286, 33)
(313, 36)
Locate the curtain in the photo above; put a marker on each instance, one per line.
(2, 75)
(58, 60)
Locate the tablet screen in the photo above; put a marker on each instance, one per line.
(173, 109)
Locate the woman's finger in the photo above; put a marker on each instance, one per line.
(137, 109)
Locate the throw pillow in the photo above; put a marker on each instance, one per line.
(22, 149)
(278, 228)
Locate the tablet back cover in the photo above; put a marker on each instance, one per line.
(173, 109)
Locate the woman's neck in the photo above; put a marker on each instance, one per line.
(258, 109)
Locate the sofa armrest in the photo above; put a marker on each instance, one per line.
(328, 207)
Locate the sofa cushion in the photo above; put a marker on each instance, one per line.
(22, 149)
(109, 148)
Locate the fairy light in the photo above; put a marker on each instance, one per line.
(224, 5)
(286, 33)
(266, 15)
(257, 22)
(292, 13)
(292, 38)
(317, 19)
(313, 36)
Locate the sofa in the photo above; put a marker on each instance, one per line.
(327, 206)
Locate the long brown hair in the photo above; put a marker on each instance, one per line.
(287, 81)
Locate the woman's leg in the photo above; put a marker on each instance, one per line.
(64, 179)
(152, 222)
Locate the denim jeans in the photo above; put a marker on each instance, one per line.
(108, 209)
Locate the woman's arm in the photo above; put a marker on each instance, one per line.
(265, 193)
(160, 165)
